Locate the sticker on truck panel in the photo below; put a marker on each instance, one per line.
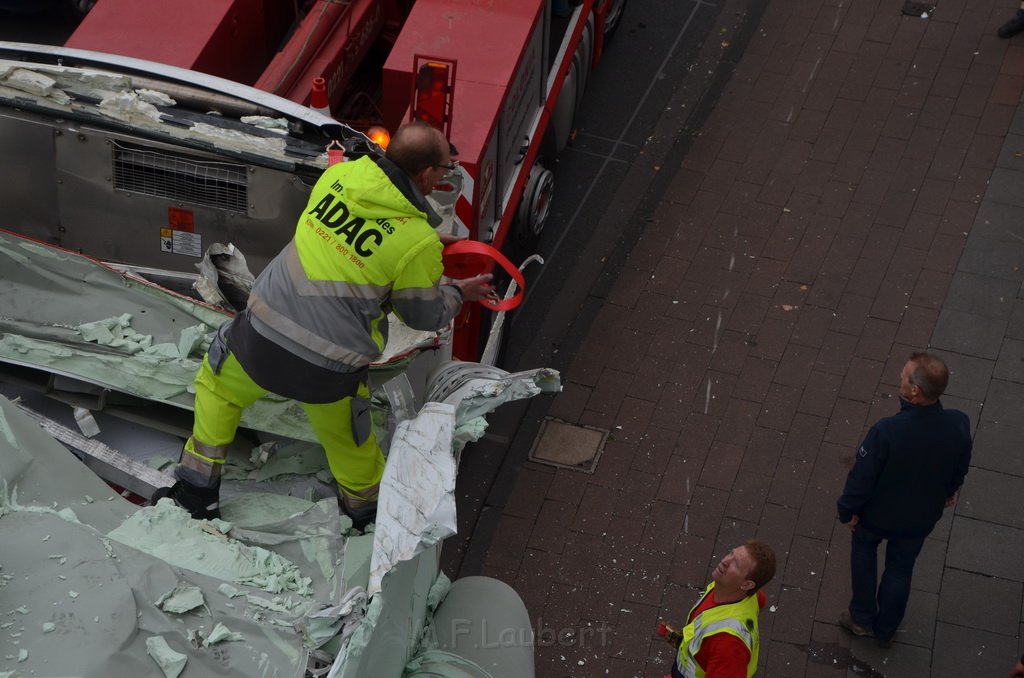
(181, 242)
(181, 220)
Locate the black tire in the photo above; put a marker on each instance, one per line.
(613, 18)
(73, 11)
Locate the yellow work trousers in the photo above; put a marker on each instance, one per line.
(221, 398)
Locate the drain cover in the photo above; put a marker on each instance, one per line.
(560, 443)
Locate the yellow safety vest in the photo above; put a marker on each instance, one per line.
(738, 619)
(363, 247)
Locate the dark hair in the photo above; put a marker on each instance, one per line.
(764, 564)
(930, 374)
(415, 147)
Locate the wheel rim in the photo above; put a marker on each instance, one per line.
(541, 205)
(82, 6)
(614, 15)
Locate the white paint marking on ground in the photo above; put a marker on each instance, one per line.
(814, 72)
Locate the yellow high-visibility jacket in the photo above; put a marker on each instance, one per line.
(363, 246)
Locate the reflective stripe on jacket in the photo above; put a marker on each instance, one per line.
(363, 246)
(738, 619)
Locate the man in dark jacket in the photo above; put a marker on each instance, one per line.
(909, 467)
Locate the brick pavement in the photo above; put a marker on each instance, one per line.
(855, 195)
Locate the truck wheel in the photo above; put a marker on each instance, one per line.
(613, 17)
(536, 203)
(75, 10)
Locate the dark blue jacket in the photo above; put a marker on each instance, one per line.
(906, 468)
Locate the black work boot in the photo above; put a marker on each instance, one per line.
(1013, 26)
(361, 515)
(202, 503)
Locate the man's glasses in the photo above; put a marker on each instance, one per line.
(451, 167)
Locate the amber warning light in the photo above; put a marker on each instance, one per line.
(379, 136)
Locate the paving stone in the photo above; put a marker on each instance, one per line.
(636, 497)
(662, 527)
(789, 485)
(828, 655)
(779, 407)
(510, 540)
(993, 497)
(792, 622)
(983, 295)
(804, 438)
(568, 405)
(963, 651)
(997, 446)
(649, 578)
(738, 422)
(900, 661)
(918, 626)
(729, 352)
(1003, 401)
(528, 494)
(785, 659)
(917, 325)
(568, 486)
(1004, 187)
(549, 533)
(1010, 365)
(705, 512)
(931, 288)
(986, 548)
(930, 565)
(805, 564)
(595, 509)
(999, 258)
(817, 514)
(969, 333)
(979, 602)
(862, 378)
(602, 602)
(958, 217)
(633, 639)
(576, 565)
(969, 376)
(847, 424)
(1015, 327)
(819, 396)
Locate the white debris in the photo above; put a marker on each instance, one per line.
(151, 96)
(128, 105)
(221, 633)
(266, 122)
(417, 495)
(170, 662)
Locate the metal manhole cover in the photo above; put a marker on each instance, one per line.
(572, 446)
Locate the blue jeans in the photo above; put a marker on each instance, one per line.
(874, 606)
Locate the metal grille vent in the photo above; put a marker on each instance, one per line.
(214, 184)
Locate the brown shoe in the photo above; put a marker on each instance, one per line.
(846, 621)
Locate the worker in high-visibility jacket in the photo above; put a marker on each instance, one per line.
(317, 317)
(720, 639)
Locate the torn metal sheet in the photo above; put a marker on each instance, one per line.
(69, 315)
(124, 100)
(96, 595)
(417, 497)
(312, 599)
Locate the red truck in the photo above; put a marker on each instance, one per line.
(502, 79)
